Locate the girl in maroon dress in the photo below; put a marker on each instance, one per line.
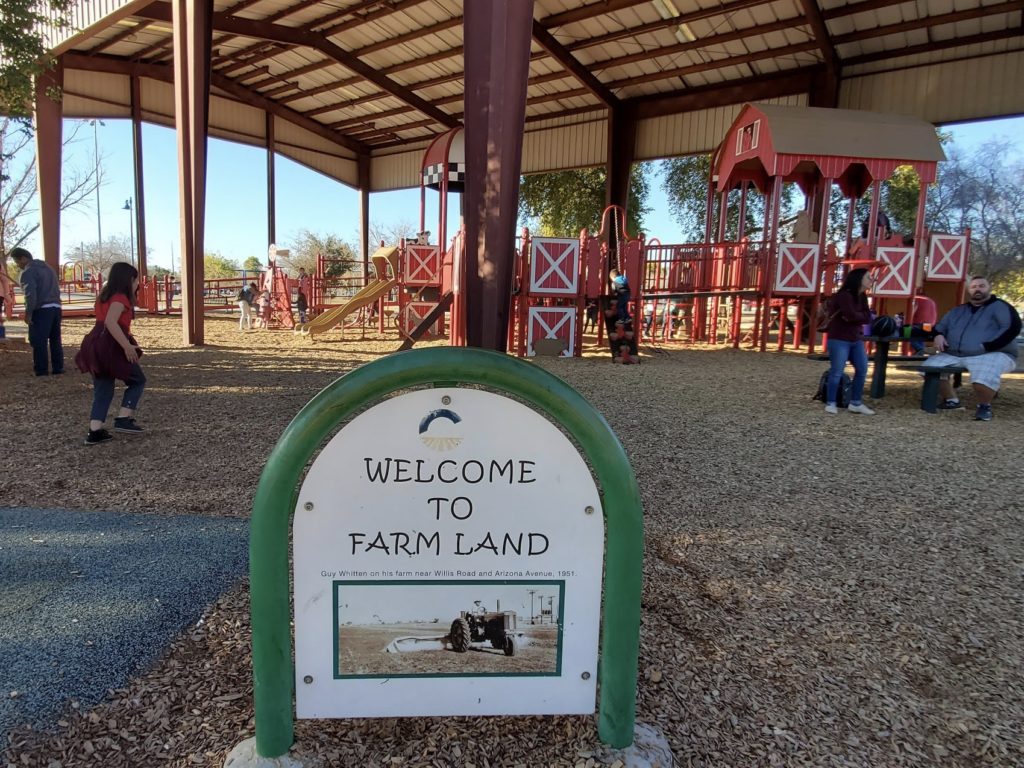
(110, 352)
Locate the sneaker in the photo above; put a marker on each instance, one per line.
(950, 405)
(983, 412)
(831, 408)
(97, 436)
(860, 408)
(127, 424)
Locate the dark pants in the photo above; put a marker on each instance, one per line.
(45, 330)
(622, 306)
(103, 393)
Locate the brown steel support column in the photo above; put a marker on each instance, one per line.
(140, 195)
(49, 140)
(271, 182)
(497, 38)
(192, 36)
(363, 171)
(621, 152)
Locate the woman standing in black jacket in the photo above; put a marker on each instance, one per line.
(848, 312)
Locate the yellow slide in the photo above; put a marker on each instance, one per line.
(382, 260)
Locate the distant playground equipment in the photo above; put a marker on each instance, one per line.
(385, 266)
(729, 287)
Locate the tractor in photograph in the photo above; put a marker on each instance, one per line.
(480, 626)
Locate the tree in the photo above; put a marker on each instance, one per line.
(390, 234)
(685, 181)
(96, 260)
(159, 273)
(252, 264)
(308, 245)
(562, 203)
(983, 190)
(217, 266)
(18, 201)
(23, 53)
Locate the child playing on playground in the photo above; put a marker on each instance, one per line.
(109, 352)
(302, 305)
(266, 305)
(620, 287)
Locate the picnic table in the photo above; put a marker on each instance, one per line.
(881, 359)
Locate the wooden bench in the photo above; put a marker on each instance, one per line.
(930, 388)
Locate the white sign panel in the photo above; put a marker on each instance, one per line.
(444, 536)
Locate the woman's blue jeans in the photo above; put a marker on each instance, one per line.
(839, 352)
(103, 393)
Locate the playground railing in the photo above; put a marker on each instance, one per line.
(705, 267)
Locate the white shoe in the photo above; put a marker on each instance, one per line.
(860, 409)
(831, 408)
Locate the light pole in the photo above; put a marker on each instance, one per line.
(96, 158)
(131, 227)
(532, 592)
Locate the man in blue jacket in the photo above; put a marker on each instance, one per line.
(42, 312)
(981, 336)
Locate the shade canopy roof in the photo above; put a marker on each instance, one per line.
(383, 78)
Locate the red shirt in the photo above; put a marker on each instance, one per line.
(125, 320)
(925, 310)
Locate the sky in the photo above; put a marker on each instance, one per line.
(236, 208)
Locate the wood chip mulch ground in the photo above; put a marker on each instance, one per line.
(819, 591)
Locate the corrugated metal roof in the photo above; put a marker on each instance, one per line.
(937, 59)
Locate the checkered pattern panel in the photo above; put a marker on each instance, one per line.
(456, 173)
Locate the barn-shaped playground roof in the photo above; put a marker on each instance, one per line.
(805, 144)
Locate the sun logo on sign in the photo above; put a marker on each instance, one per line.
(439, 441)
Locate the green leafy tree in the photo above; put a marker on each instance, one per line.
(252, 264)
(685, 181)
(560, 204)
(159, 273)
(22, 50)
(308, 245)
(217, 266)
(1010, 286)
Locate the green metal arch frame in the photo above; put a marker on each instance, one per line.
(277, 494)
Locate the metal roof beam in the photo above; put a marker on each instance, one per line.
(721, 95)
(122, 35)
(956, 42)
(929, 21)
(770, 53)
(279, 33)
(600, 8)
(165, 73)
(828, 52)
(571, 63)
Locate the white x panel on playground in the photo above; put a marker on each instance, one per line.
(796, 269)
(947, 258)
(552, 323)
(554, 266)
(422, 265)
(898, 279)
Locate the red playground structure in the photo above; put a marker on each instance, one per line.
(817, 149)
(737, 285)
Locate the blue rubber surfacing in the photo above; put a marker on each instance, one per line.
(90, 599)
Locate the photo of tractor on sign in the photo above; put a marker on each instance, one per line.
(405, 629)
(478, 627)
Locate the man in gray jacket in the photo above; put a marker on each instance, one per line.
(981, 336)
(42, 312)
